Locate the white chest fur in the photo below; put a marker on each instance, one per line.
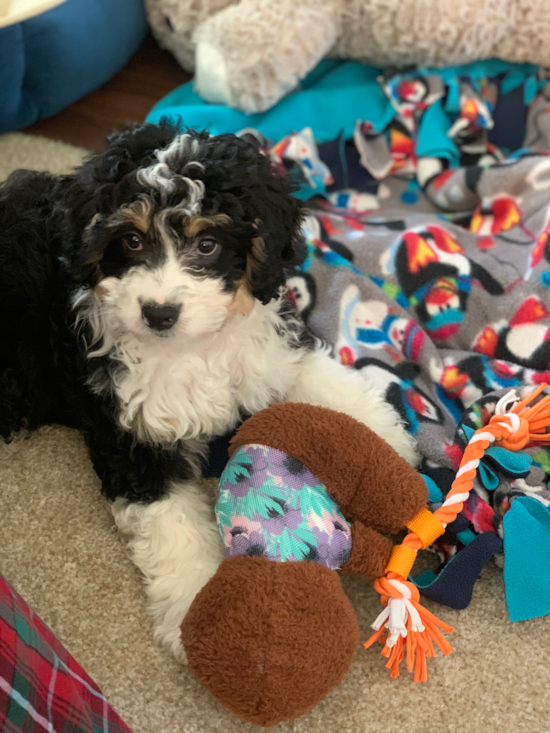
(169, 391)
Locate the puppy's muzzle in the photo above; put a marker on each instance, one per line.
(160, 317)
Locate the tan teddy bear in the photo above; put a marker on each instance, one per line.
(249, 53)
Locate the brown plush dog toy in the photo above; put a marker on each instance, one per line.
(270, 637)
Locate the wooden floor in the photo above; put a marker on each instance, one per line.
(122, 101)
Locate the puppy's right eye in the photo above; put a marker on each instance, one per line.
(207, 246)
(132, 243)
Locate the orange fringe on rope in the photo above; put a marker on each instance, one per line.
(404, 627)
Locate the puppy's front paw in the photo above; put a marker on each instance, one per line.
(179, 653)
(372, 410)
(404, 444)
(172, 641)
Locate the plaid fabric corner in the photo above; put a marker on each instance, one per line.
(42, 687)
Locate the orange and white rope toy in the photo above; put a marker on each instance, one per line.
(404, 626)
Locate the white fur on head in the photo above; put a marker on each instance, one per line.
(161, 176)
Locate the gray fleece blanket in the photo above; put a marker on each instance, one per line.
(445, 318)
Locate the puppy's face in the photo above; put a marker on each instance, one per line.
(191, 233)
(167, 272)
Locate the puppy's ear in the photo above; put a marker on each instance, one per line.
(241, 182)
(279, 246)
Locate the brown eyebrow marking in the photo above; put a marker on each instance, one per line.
(136, 214)
(193, 225)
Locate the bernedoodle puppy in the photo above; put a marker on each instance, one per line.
(143, 302)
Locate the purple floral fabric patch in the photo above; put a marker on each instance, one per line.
(270, 504)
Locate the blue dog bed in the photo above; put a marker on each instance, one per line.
(49, 61)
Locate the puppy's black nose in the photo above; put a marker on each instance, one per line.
(160, 317)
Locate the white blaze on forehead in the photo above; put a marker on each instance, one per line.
(164, 174)
(165, 284)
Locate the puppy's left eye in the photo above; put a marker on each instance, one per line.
(132, 243)
(207, 246)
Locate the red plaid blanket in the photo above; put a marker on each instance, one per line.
(42, 687)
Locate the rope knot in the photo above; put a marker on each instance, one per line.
(392, 586)
(516, 430)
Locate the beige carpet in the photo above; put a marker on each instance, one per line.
(59, 549)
